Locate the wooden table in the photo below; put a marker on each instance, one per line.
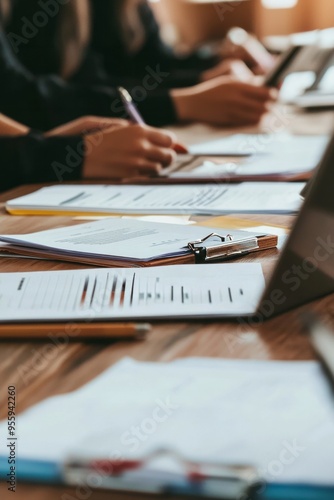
(39, 370)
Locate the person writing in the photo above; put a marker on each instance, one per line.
(88, 148)
(60, 76)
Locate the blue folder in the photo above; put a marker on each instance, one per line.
(43, 472)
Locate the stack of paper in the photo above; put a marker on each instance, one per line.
(277, 416)
(207, 199)
(122, 242)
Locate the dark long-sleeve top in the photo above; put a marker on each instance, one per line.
(43, 102)
(47, 100)
(33, 158)
(109, 57)
(108, 40)
(31, 92)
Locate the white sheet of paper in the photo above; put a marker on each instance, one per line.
(278, 416)
(120, 239)
(208, 199)
(163, 219)
(282, 152)
(271, 155)
(159, 292)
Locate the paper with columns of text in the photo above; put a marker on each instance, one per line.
(207, 199)
(183, 291)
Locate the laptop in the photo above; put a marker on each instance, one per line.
(305, 269)
(304, 272)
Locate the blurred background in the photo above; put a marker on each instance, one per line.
(191, 22)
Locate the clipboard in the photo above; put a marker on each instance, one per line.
(204, 480)
(227, 247)
(212, 247)
(222, 482)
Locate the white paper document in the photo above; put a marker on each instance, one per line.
(284, 152)
(316, 99)
(277, 416)
(186, 291)
(269, 156)
(120, 239)
(207, 199)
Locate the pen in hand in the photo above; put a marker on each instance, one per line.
(136, 117)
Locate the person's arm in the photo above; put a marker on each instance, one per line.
(45, 102)
(103, 150)
(33, 158)
(188, 67)
(108, 40)
(223, 102)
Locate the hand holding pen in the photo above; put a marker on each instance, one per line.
(136, 117)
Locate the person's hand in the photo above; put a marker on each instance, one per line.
(259, 62)
(241, 45)
(223, 101)
(86, 125)
(229, 67)
(127, 151)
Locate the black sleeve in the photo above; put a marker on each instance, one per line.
(184, 70)
(154, 54)
(33, 158)
(44, 102)
(47, 101)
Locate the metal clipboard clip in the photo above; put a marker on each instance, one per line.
(227, 247)
(194, 480)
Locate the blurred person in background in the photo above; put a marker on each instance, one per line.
(51, 55)
(127, 35)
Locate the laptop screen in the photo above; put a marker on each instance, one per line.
(305, 270)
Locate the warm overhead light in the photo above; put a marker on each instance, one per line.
(279, 4)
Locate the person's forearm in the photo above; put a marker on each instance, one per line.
(45, 102)
(33, 158)
(157, 108)
(9, 127)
